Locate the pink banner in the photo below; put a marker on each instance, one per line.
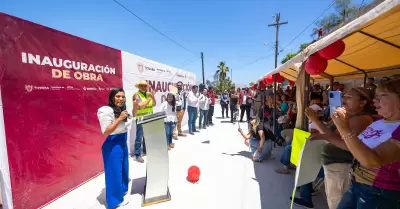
(52, 85)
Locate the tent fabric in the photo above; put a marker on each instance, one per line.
(300, 89)
(372, 47)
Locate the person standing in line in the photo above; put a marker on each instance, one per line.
(257, 103)
(180, 109)
(224, 101)
(169, 107)
(193, 103)
(204, 106)
(143, 103)
(245, 99)
(234, 97)
(113, 122)
(211, 95)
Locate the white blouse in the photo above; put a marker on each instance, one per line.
(204, 102)
(106, 118)
(170, 115)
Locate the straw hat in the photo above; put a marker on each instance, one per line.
(141, 82)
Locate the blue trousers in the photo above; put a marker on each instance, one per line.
(116, 168)
(266, 149)
(192, 112)
(362, 196)
(138, 140)
(169, 131)
(306, 189)
(203, 117)
(285, 158)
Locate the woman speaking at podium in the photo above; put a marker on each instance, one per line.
(113, 120)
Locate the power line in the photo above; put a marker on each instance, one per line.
(304, 30)
(265, 57)
(187, 62)
(358, 9)
(148, 24)
(256, 60)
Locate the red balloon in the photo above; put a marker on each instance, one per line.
(315, 64)
(193, 174)
(279, 78)
(333, 51)
(262, 85)
(270, 79)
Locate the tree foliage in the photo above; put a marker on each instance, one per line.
(222, 85)
(343, 10)
(251, 83)
(220, 74)
(288, 57)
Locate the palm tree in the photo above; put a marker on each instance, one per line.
(220, 74)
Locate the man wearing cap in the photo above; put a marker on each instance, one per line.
(180, 109)
(144, 102)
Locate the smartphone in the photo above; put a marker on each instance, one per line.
(335, 100)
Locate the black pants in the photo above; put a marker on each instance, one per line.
(244, 108)
(210, 114)
(233, 110)
(225, 108)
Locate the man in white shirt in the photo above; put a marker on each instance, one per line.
(193, 104)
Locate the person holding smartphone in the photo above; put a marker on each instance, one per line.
(114, 123)
(337, 160)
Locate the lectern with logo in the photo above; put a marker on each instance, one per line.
(157, 170)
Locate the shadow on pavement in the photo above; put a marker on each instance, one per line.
(102, 198)
(138, 186)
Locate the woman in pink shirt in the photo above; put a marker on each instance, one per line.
(376, 171)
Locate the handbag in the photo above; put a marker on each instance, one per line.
(249, 101)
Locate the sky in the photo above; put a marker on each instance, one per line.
(233, 31)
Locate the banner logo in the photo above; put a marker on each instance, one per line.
(140, 67)
(28, 88)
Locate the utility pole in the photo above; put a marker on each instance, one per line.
(231, 75)
(202, 67)
(276, 25)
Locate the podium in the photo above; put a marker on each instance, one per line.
(157, 168)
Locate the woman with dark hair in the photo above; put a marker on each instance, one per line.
(170, 120)
(114, 123)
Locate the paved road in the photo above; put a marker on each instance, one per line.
(229, 179)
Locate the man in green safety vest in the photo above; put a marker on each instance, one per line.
(143, 101)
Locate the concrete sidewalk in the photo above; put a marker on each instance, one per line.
(229, 179)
